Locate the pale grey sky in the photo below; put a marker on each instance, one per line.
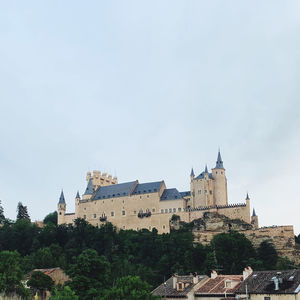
(146, 90)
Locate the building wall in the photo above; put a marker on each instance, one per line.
(273, 296)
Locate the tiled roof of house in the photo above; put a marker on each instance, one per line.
(262, 282)
(146, 188)
(166, 289)
(115, 190)
(170, 194)
(217, 286)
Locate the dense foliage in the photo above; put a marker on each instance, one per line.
(104, 262)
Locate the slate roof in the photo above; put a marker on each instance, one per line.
(184, 194)
(261, 282)
(219, 163)
(90, 188)
(168, 290)
(216, 286)
(115, 190)
(170, 194)
(146, 188)
(62, 198)
(201, 175)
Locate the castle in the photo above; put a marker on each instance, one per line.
(135, 205)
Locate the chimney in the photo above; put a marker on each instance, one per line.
(276, 283)
(213, 274)
(174, 281)
(247, 272)
(195, 278)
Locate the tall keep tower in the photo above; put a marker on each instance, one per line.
(220, 182)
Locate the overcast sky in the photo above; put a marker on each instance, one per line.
(145, 90)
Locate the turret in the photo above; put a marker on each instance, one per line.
(220, 182)
(61, 208)
(192, 175)
(254, 219)
(248, 208)
(77, 200)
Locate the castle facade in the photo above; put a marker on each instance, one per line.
(135, 205)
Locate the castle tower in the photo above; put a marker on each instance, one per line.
(254, 219)
(202, 189)
(77, 199)
(61, 209)
(220, 182)
(248, 208)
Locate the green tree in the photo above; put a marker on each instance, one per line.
(268, 255)
(65, 294)
(52, 218)
(22, 212)
(11, 273)
(232, 251)
(90, 274)
(129, 288)
(40, 282)
(2, 217)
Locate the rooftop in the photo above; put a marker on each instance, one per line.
(262, 282)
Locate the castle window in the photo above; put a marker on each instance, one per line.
(166, 210)
(95, 216)
(216, 172)
(267, 298)
(174, 209)
(123, 212)
(134, 212)
(112, 213)
(199, 192)
(162, 211)
(222, 172)
(140, 197)
(153, 209)
(85, 208)
(123, 201)
(170, 210)
(179, 209)
(60, 213)
(164, 226)
(84, 217)
(147, 196)
(210, 192)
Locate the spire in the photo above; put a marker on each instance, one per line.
(192, 173)
(247, 197)
(62, 198)
(90, 188)
(253, 214)
(219, 163)
(77, 195)
(206, 170)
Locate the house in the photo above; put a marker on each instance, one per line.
(219, 287)
(271, 285)
(180, 287)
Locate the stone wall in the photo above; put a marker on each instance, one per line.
(212, 223)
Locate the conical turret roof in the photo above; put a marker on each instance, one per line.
(77, 195)
(90, 188)
(62, 198)
(253, 213)
(219, 163)
(192, 173)
(206, 170)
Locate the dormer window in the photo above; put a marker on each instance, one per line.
(180, 286)
(228, 284)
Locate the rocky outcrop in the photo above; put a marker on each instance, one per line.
(212, 223)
